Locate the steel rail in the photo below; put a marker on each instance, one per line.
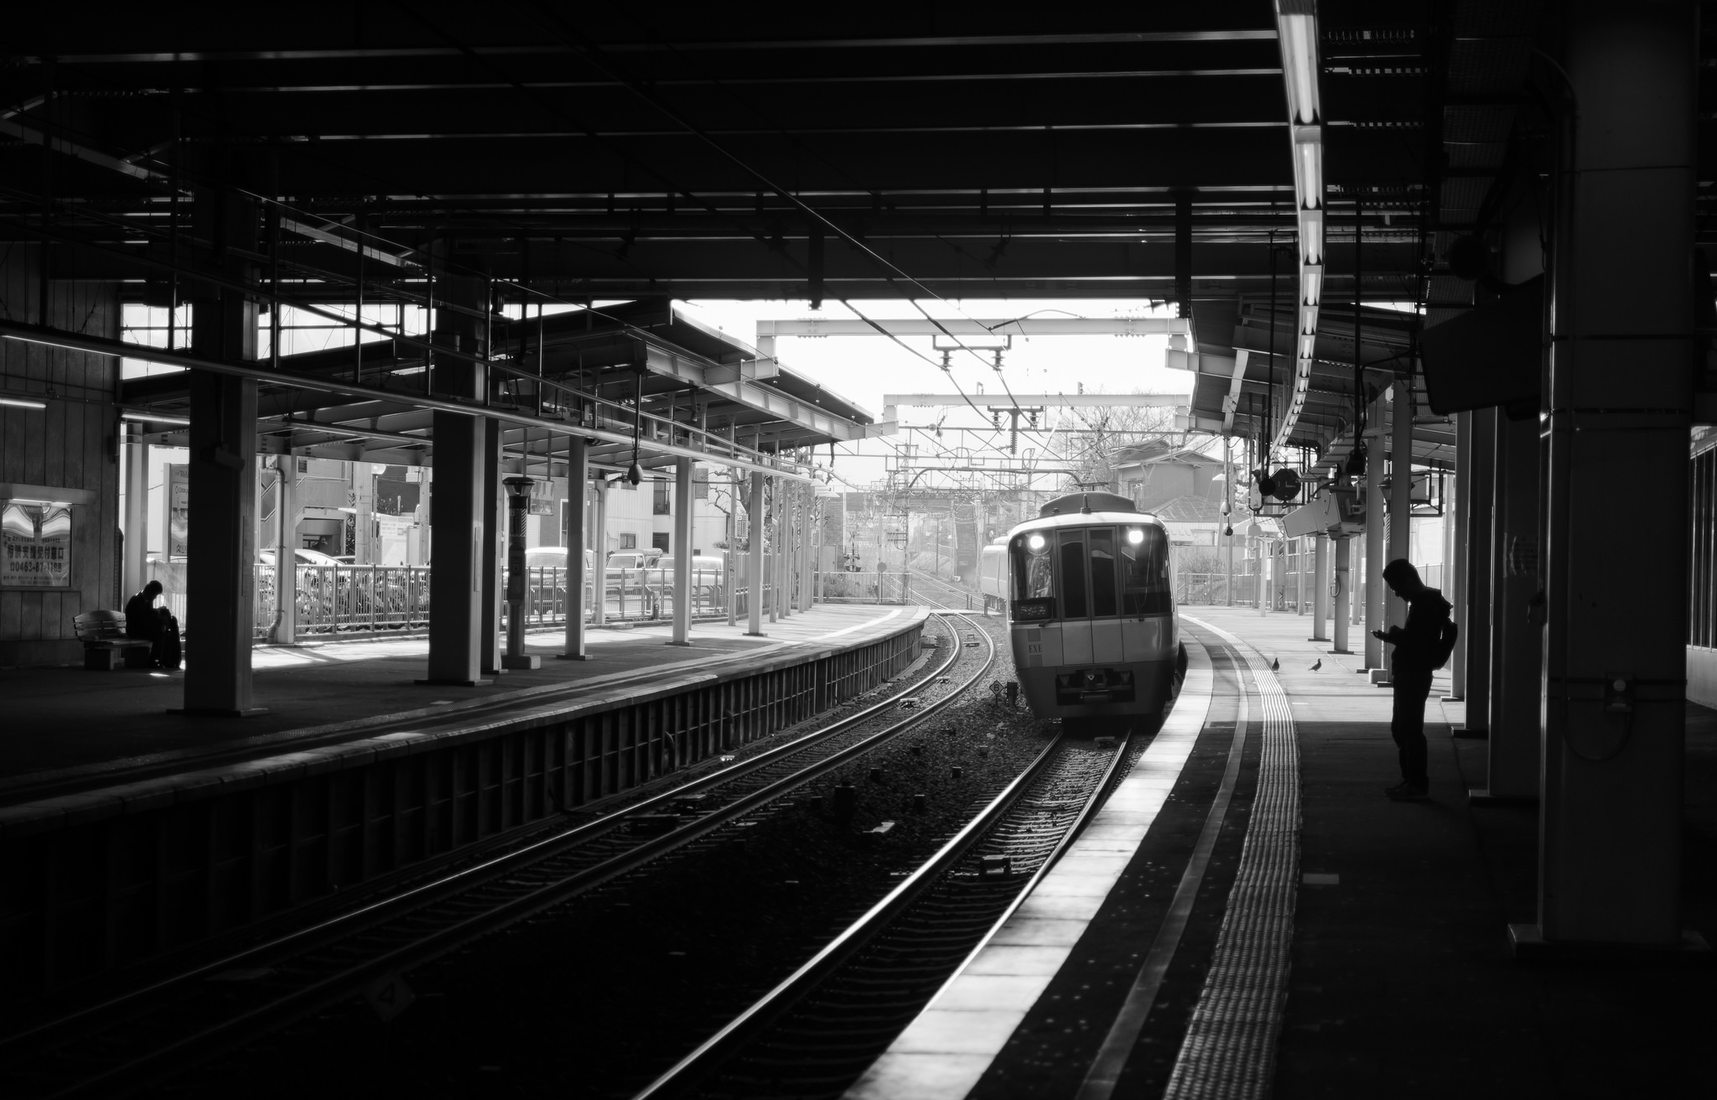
(238, 1028)
(753, 1020)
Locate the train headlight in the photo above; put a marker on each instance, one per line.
(1135, 535)
(1034, 542)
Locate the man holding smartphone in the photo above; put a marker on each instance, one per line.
(1416, 657)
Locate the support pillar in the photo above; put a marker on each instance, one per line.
(1320, 587)
(1356, 570)
(1375, 524)
(492, 556)
(1393, 542)
(135, 566)
(1618, 381)
(599, 557)
(1343, 585)
(682, 552)
(1299, 557)
(1480, 457)
(220, 604)
(518, 582)
(730, 556)
(1516, 634)
(754, 574)
(777, 609)
(1455, 554)
(1400, 490)
(574, 539)
(456, 588)
(285, 630)
(807, 549)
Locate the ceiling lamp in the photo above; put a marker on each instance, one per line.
(1297, 36)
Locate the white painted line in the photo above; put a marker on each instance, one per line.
(946, 1049)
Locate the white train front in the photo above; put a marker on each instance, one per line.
(1089, 590)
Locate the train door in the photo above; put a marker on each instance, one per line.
(1104, 622)
(1147, 586)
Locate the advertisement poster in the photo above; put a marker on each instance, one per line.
(178, 526)
(35, 544)
(542, 498)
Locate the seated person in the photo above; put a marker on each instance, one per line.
(167, 647)
(142, 619)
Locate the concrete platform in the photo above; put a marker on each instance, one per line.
(73, 727)
(130, 830)
(1401, 979)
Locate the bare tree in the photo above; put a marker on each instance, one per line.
(1092, 438)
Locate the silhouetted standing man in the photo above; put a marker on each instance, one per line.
(1416, 658)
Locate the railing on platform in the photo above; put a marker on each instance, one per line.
(840, 587)
(1296, 582)
(348, 599)
(631, 594)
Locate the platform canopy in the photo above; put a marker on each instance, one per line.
(1313, 186)
(642, 375)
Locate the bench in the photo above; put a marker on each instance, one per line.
(105, 642)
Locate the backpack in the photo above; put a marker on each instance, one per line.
(1445, 644)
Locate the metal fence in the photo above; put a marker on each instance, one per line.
(357, 599)
(1296, 582)
(630, 594)
(843, 587)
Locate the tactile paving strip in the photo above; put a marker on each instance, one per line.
(1230, 1047)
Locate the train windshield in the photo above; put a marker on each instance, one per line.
(1145, 583)
(1094, 572)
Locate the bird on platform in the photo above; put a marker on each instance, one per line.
(1275, 665)
(1317, 664)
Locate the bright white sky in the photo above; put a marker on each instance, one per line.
(863, 369)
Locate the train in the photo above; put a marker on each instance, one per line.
(1088, 588)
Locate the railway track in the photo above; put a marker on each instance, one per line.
(933, 591)
(816, 1032)
(128, 1042)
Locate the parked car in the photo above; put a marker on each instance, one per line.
(546, 579)
(633, 559)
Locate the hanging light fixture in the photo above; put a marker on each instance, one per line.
(635, 473)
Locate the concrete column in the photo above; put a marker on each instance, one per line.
(599, 557)
(220, 605)
(682, 552)
(135, 567)
(1400, 489)
(1356, 568)
(1299, 558)
(807, 546)
(285, 543)
(574, 538)
(777, 561)
(1619, 382)
(1343, 585)
(518, 494)
(1320, 587)
(492, 557)
(461, 526)
(1455, 553)
(754, 572)
(1376, 523)
(1516, 638)
(1477, 505)
(730, 556)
